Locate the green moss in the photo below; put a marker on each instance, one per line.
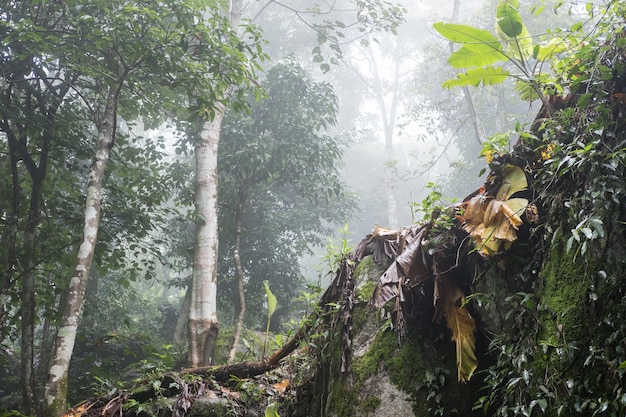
(406, 366)
(365, 266)
(567, 280)
(359, 319)
(404, 363)
(370, 403)
(343, 398)
(380, 351)
(365, 293)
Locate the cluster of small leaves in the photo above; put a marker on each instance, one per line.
(434, 387)
(367, 18)
(516, 386)
(432, 208)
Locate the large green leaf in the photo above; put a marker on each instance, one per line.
(476, 76)
(473, 38)
(466, 57)
(552, 47)
(522, 46)
(509, 19)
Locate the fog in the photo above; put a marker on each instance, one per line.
(404, 134)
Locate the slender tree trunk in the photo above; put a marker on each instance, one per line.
(183, 317)
(239, 268)
(17, 146)
(28, 301)
(389, 122)
(479, 131)
(38, 175)
(11, 237)
(56, 389)
(203, 326)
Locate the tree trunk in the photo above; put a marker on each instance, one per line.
(10, 238)
(203, 325)
(479, 131)
(18, 151)
(38, 175)
(389, 123)
(56, 388)
(28, 301)
(183, 317)
(239, 268)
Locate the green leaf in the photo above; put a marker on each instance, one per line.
(509, 19)
(526, 90)
(466, 57)
(523, 44)
(476, 76)
(271, 299)
(473, 38)
(548, 50)
(270, 410)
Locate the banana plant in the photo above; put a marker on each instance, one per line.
(481, 50)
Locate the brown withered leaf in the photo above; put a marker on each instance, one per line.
(79, 410)
(409, 268)
(472, 212)
(384, 242)
(281, 387)
(532, 214)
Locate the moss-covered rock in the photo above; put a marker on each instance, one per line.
(567, 282)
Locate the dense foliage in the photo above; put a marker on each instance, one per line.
(74, 74)
(280, 168)
(569, 357)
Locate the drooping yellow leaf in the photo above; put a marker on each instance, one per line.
(484, 241)
(499, 211)
(499, 227)
(462, 325)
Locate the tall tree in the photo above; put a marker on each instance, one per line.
(31, 119)
(203, 324)
(279, 156)
(371, 16)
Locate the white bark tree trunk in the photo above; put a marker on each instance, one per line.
(56, 389)
(203, 325)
